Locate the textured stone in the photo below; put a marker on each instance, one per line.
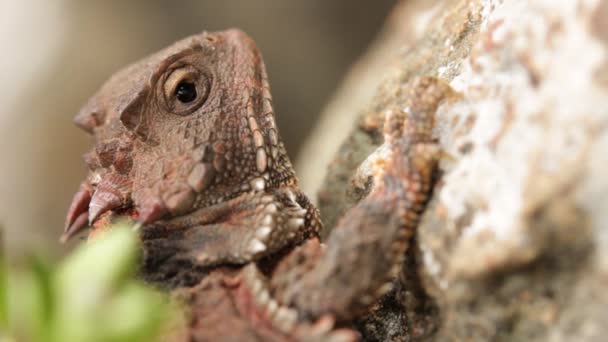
(513, 245)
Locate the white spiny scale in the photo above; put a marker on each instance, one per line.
(295, 223)
(323, 325)
(95, 178)
(263, 297)
(202, 257)
(271, 308)
(256, 246)
(261, 160)
(291, 196)
(285, 319)
(258, 139)
(340, 336)
(274, 152)
(274, 139)
(249, 275)
(271, 208)
(253, 124)
(258, 184)
(267, 220)
(263, 232)
(384, 289)
(137, 226)
(255, 284)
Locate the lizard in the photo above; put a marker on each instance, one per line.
(186, 147)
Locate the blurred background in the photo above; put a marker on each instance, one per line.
(55, 54)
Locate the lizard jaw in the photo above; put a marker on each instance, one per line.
(111, 195)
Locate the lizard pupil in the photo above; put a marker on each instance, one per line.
(185, 92)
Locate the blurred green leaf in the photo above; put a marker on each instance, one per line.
(93, 272)
(3, 289)
(42, 308)
(91, 296)
(135, 322)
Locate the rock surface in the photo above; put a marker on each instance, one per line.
(514, 244)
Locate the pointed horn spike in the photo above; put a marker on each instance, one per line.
(101, 202)
(79, 205)
(76, 227)
(152, 209)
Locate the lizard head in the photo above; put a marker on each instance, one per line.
(187, 127)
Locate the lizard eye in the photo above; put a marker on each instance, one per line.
(185, 90)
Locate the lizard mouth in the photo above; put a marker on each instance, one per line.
(94, 206)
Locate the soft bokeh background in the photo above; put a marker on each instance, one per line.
(55, 54)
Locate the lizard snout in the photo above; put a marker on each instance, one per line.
(90, 116)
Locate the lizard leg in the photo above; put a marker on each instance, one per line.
(235, 232)
(235, 305)
(364, 252)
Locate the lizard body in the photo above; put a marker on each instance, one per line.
(186, 144)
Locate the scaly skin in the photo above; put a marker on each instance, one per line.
(186, 145)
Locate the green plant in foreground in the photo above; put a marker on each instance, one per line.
(90, 296)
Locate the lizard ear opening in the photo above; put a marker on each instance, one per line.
(131, 112)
